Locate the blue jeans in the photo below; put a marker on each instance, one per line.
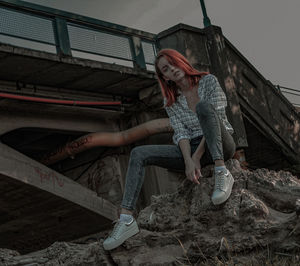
(219, 144)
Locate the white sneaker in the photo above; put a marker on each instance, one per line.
(121, 232)
(223, 186)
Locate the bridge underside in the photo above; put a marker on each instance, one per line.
(29, 67)
(38, 205)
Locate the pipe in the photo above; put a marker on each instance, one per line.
(108, 139)
(47, 100)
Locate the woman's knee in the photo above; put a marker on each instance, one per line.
(204, 108)
(137, 152)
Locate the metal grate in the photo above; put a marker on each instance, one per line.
(100, 43)
(149, 52)
(25, 26)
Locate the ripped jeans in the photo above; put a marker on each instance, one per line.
(219, 144)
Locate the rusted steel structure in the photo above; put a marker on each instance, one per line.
(108, 139)
(50, 54)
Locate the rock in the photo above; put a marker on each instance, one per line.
(104, 177)
(6, 255)
(62, 253)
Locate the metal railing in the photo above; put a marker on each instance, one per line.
(290, 91)
(67, 34)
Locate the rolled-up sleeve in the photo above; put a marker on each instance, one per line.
(180, 131)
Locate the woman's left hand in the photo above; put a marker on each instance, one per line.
(196, 160)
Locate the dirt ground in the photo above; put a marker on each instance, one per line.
(259, 224)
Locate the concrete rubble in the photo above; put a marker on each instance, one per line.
(185, 228)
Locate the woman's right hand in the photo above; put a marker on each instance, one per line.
(192, 172)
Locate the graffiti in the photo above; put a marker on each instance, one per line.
(70, 149)
(47, 158)
(47, 177)
(76, 144)
(58, 150)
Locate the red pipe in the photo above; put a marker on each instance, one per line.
(47, 100)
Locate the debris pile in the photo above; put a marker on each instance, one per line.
(263, 213)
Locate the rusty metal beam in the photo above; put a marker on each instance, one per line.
(108, 139)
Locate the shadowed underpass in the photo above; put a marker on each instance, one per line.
(54, 55)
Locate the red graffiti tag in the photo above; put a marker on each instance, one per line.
(49, 177)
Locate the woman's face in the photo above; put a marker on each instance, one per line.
(169, 71)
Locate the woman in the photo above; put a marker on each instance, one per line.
(195, 104)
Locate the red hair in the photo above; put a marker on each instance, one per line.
(170, 90)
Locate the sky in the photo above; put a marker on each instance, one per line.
(266, 32)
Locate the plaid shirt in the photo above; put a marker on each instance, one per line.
(185, 122)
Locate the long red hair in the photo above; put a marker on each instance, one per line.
(170, 90)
